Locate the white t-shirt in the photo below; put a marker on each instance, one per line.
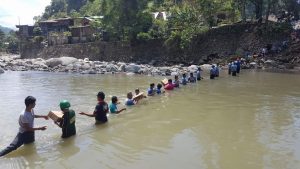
(26, 117)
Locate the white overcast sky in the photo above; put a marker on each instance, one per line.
(11, 10)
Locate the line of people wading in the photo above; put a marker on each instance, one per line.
(26, 134)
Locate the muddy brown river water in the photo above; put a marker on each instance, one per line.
(248, 122)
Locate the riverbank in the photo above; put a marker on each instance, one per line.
(86, 66)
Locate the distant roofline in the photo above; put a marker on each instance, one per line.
(18, 26)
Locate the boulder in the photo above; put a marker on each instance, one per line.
(1, 70)
(67, 60)
(86, 66)
(111, 68)
(86, 60)
(193, 68)
(174, 74)
(206, 67)
(122, 68)
(53, 62)
(133, 68)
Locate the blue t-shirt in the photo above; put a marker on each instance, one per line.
(113, 108)
(238, 64)
(150, 91)
(183, 81)
(233, 68)
(158, 91)
(212, 71)
(129, 102)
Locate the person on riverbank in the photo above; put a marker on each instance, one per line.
(101, 110)
(26, 134)
(233, 69)
(176, 81)
(130, 101)
(169, 86)
(67, 123)
(199, 74)
(183, 79)
(151, 90)
(212, 72)
(192, 78)
(113, 106)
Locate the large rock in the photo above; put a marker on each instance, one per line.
(1, 70)
(122, 68)
(67, 60)
(206, 67)
(53, 62)
(133, 68)
(193, 68)
(86, 66)
(111, 68)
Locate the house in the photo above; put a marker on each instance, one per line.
(25, 31)
(81, 34)
(55, 25)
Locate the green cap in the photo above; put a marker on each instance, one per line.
(64, 104)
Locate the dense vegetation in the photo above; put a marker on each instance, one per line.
(8, 41)
(133, 20)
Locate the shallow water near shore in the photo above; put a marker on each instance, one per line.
(246, 122)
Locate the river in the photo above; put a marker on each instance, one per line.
(246, 122)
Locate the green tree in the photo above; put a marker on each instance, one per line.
(2, 40)
(57, 8)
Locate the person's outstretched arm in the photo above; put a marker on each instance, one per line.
(41, 116)
(28, 128)
(119, 111)
(88, 114)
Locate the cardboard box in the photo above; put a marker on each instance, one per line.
(165, 82)
(55, 115)
(138, 97)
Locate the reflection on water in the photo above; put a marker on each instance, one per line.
(251, 121)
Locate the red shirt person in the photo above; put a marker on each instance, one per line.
(169, 86)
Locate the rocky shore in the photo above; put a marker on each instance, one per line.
(85, 66)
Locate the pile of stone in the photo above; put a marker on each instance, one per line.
(86, 66)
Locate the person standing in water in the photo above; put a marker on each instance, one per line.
(238, 66)
(233, 69)
(217, 71)
(183, 79)
(101, 110)
(113, 106)
(192, 79)
(67, 123)
(199, 74)
(229, 68)
(27, 130)
(176, 81)
(212, 72)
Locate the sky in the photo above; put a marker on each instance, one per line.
(13, 10)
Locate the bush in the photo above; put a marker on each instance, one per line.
(38, 39)
(142, 36)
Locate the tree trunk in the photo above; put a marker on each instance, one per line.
(268, 11)
(243, 10)
(258, 10)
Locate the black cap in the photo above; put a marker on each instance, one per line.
(101, 95)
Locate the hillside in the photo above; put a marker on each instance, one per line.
(6, 30)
